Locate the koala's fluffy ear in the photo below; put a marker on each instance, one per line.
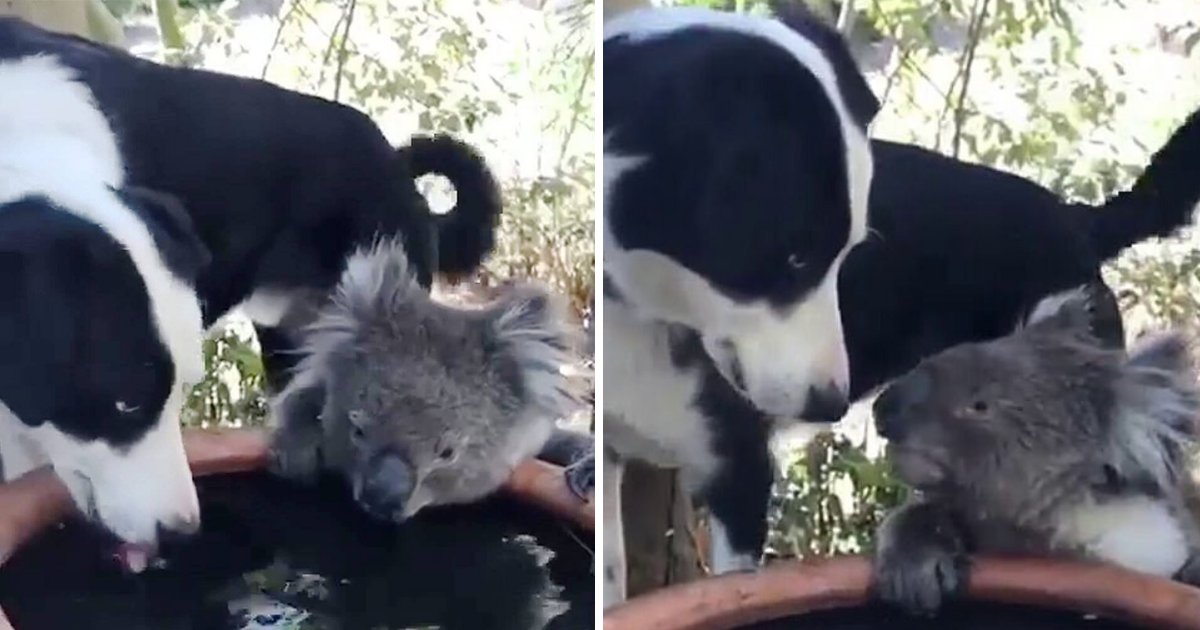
(1155, 410)
(529, 328)
(1087, 309)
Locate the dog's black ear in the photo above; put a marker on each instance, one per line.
(856, 93)
(172, 229)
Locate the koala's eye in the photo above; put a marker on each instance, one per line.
(979, 406)
(447, 453)
(357, 422)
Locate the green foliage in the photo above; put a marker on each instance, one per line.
(231, 392)
(831, 500)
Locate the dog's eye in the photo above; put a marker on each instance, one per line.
(795, 261)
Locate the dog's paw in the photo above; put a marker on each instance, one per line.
(920, 579)
(295, 455)
(581, 477)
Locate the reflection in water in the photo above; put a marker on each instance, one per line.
(275, 556)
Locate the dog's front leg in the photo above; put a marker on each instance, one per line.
(738, 497)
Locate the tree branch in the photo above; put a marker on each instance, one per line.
(960, 107)
(167, 13)
(845, 21)
(962, 76)
(341, 61)
(283, 21)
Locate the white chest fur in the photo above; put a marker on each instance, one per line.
(1138, 533)
(649, 402)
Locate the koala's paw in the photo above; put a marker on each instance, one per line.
(295, 455)
(920, 578)
(1190, 573)
(581, 477)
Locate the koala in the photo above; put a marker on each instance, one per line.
(416, 403)
(1045, 443)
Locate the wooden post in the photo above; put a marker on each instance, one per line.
(660, 529)
(613, 7)
(64, 16)
(84, 18)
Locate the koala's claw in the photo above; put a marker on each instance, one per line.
(921, 582)
(1190, 573)
(581, 477)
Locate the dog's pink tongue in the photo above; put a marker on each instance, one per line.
(134, 557)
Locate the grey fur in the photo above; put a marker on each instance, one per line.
(1044, 442)
(423, 379)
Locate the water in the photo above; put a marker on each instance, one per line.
(275, 556)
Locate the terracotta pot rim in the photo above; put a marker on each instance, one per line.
(797, 587)
(38, 499)
(231, 450)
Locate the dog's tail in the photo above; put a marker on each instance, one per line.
(1160, 202)
(466, 234)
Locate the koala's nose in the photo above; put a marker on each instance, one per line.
(896, 400)
(825, 404)
(386, 483)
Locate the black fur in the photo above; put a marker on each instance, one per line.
(960, 252)
(180, 247)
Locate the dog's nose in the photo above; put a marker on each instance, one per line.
(386, 483)
(179, 527)
(825, 404)
(897, 399)
(177, 531)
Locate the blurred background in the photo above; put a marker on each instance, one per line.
(1073, 94)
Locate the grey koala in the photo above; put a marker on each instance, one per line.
(1042, 443)
(417, 403)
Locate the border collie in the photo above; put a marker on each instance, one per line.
(281, 186)
(957, 252)
(736, 176)
(100, 326)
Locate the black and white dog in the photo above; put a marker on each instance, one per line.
(957, 252)
(736, 175)
(281, 186)
(100, 326)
